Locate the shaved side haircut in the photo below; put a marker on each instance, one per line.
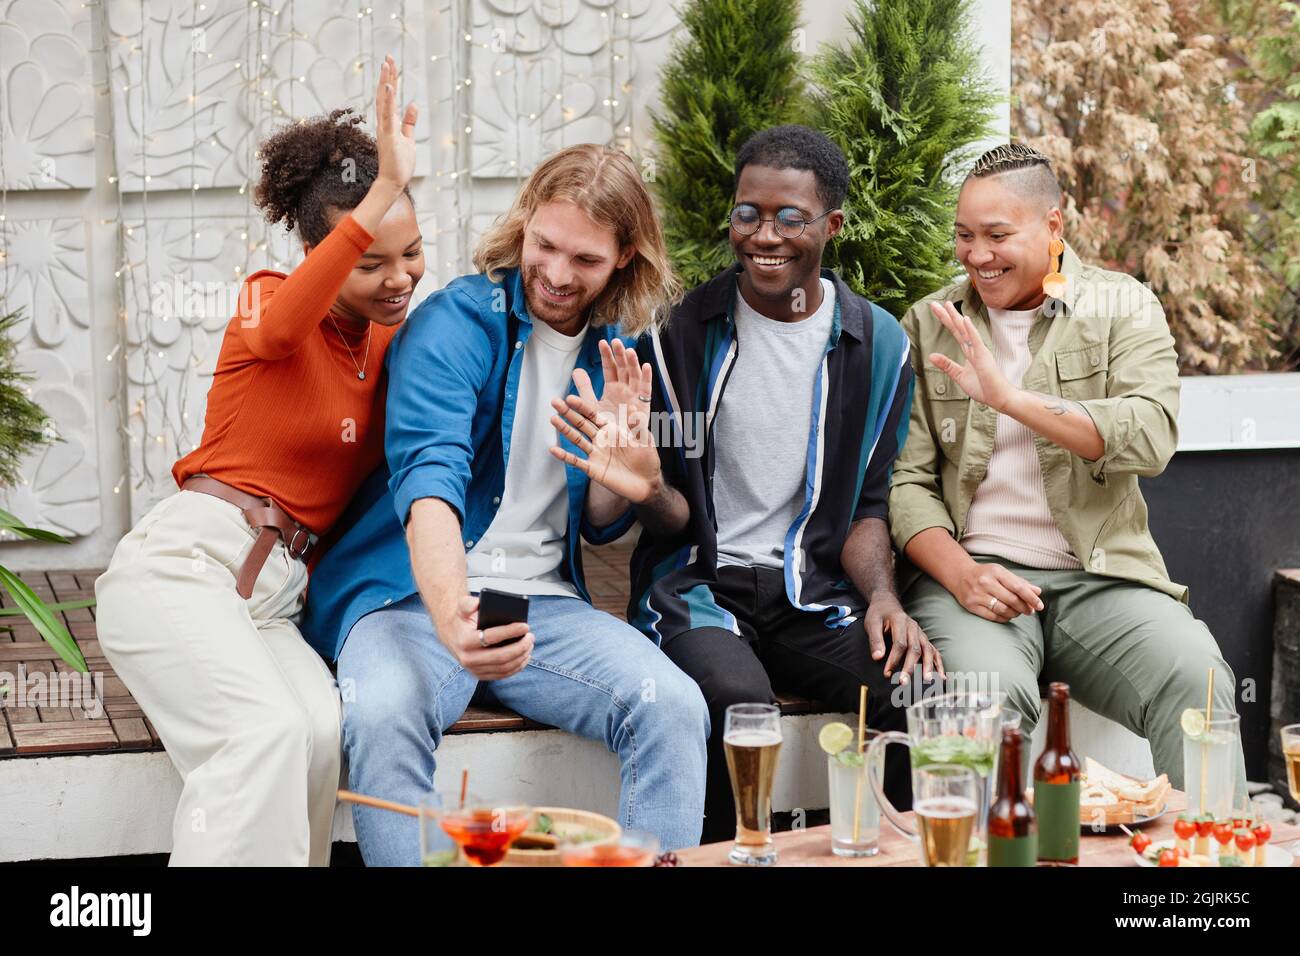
(1024, 170)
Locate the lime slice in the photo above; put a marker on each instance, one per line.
(1193, 722)
(834, 737)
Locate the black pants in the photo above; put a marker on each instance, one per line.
(793, 650)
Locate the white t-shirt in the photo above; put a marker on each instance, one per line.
(761, 431)
(522, 551)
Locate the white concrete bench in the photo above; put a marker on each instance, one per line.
(115, 804)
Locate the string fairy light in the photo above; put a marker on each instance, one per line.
(148, 374)
(459, 49)
(118, 400)
(196, 34)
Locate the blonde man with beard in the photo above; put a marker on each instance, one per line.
(488, 487)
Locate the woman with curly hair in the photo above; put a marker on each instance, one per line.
(197, 610)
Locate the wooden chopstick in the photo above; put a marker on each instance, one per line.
(349, 796)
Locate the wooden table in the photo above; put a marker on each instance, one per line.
(812, 847)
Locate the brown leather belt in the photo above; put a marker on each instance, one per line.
(261, 513)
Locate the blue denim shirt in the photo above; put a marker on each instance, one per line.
(453, 382)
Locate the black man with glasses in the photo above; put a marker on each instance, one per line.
(782, 575)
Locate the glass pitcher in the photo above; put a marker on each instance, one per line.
(963, 729)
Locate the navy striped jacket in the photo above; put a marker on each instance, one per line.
(862, 397)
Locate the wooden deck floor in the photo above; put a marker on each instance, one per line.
(115, 722)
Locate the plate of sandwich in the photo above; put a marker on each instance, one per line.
(1108, 798)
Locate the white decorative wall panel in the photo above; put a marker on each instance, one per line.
(46, 268)
(47, 124)
(196, 86)
(551, 73)
(182, 294)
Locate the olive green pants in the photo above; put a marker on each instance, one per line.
(1128, 652)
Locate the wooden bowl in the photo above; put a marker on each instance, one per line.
(564, 818)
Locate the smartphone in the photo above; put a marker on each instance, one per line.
(496, 608)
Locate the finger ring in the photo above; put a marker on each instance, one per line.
(481, 642)
(643, 398)
(967, 343)
(993, 603)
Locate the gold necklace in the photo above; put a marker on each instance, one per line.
(361, 370)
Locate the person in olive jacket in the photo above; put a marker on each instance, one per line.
(1045, 387)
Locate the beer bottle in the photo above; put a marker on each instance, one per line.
(1056, 784)
(1013, 831)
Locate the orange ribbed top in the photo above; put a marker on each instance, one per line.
(287, 415)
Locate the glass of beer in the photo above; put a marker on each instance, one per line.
(946, 804)
(751, 740)
(1291, 754)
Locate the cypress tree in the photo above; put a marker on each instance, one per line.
(906, 99)
(735, 72)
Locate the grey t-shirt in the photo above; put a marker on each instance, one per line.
(761, 431)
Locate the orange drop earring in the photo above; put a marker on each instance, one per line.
(1054, 282)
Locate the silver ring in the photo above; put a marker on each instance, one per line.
(968, 343)
(481, 642)
(993, 603)
(643, 398)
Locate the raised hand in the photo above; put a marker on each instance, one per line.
(980, 378)
(612, 431)
(395, 135)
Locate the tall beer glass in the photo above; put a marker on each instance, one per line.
(752, 741)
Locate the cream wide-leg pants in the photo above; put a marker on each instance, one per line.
(248, 712)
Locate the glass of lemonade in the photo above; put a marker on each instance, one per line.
(751, 740)
(855, 815)
(1210, 752)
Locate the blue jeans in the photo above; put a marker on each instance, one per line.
(589, 674)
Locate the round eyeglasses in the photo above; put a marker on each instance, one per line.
(788, 222)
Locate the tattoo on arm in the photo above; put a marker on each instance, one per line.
(1060, 406)
(667, 514)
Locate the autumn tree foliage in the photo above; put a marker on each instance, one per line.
(1266, 41)
(1133, 102)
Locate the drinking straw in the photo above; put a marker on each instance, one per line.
(348, 796)
(1205, 756)
(862, 740)
(464, 786)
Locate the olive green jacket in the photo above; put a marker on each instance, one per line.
(1107, 348)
